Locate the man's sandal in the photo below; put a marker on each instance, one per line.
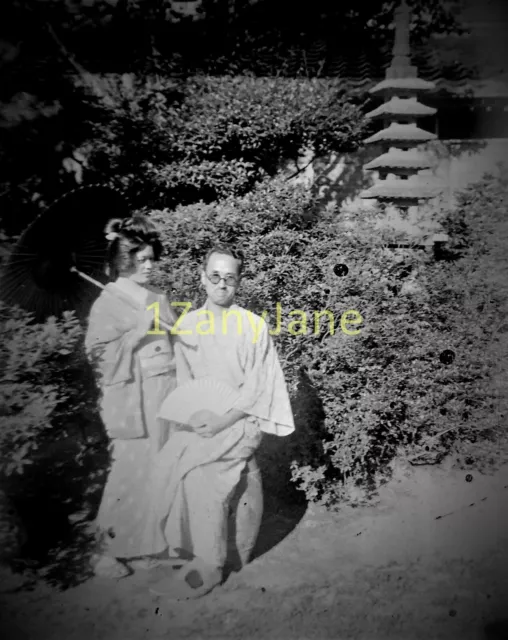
(194, 580)
(108, 567)
(144, 564)
(147, 564)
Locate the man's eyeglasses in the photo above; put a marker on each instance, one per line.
(230, 281)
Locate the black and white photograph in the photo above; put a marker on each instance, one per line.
(254, 320)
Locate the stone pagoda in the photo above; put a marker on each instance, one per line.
(400, 184)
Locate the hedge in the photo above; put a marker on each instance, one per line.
(429, 355)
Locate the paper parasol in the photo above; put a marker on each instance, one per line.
(58, 262)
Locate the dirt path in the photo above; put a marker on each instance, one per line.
(390, 571)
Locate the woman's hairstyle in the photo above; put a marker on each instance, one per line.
(226, 250)
(127, 236)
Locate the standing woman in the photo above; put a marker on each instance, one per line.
(134, 360)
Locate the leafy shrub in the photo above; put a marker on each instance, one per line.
(388, 390)
(43, 394)
(207, 138)
(52, 463)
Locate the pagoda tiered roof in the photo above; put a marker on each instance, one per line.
(413, 189)
(402, 84)
(400, 159)
(397, 132)
(402, 107)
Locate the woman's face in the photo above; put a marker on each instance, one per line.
(142, 265)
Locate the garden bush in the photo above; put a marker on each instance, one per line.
(424, 376)
(427, 357)
(47, 413)
(206, 138)
(165, 141)
(38, 392)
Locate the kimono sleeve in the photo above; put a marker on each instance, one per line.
(263, 393)
(110, 342)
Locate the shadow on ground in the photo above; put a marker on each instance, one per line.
(284, 505)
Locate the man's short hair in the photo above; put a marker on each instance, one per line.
(227, 250)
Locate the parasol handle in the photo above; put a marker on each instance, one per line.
(85, 277)
(121, 294)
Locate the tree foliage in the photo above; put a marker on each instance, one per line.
(214, 137)
(166, 142)
(45, 118)
(233, 37)
(266, 36)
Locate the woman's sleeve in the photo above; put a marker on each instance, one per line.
(110, 343)
(167, 314)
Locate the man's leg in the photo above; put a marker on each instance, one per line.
(208, 490)
(202, 529)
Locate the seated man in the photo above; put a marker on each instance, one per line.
(197, 471)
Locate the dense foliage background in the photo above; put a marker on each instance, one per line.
(260, 36)
(391, 389)
(118, 91)
(424, 377)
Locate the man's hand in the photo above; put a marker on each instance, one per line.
(211, 427)
(208, 424)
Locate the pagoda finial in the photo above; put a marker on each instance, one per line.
(401, 61)
(402, 25)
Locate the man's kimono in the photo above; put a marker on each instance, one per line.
(195, 477)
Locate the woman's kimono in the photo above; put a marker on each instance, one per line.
(134, 379)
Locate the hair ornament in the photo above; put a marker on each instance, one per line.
(112, 229)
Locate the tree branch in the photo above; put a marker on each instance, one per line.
(300, 170)
(86, 77)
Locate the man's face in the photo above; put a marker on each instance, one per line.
(224, 267)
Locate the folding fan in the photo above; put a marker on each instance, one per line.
(200, 395)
